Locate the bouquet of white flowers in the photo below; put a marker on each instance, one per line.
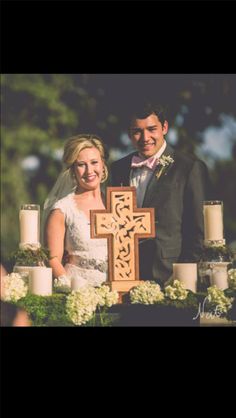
(217, 299)
(15, 287)
(105, 297)
(81, 305)
(147, 293)
(176, 291)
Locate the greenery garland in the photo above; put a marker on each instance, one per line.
(50, 311)
(220, 254)
(31, 257)
(46, 311)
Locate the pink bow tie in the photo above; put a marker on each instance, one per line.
(138, 162)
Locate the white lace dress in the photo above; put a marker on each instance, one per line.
(88, 256)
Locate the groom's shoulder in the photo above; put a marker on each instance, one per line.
(187, 159)
(122, 162)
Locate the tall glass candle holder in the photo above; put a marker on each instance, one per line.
(213, 273)
(213, 223)
(29, 218)
(219, 275)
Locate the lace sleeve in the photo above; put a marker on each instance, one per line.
(60, 205)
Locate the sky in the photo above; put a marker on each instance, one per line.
(218, 142)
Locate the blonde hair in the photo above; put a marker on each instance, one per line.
(76, 144)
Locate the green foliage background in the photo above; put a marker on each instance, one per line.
(40, 111)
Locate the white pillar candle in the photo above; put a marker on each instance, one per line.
(40, 281)
(29, 224)
(213, 221)
(186, 273)
(219, 276)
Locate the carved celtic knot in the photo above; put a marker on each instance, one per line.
(123, 223)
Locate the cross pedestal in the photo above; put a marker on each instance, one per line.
(122, 223)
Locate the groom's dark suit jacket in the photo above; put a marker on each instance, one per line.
(177, 197)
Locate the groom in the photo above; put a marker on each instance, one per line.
(173, 183)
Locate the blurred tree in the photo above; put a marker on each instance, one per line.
(39, 111)
(36, 117)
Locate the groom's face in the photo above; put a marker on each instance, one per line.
(147, 135)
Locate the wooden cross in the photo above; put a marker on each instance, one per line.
(122, 223)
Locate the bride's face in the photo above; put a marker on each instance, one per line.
(88, 168)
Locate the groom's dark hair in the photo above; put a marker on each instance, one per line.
(142, 110)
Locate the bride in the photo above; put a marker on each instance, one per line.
(67, 214)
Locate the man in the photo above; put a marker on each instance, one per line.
(174, 184)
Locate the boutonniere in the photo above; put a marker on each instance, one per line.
(164, 163)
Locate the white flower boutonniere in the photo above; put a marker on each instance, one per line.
(164, 163)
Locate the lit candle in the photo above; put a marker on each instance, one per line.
(219, 276)
(29, 224)
(40, 281)
(213, 220)
(186, 273)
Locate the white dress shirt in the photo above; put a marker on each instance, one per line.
(140, 177)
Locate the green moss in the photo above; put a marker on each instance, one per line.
(46, 310)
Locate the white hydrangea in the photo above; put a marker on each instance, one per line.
(62, 284)
(176, 291)
(217, 298)
(147, 293)
(15, 287)
(232, 278)
(106, 297)
(165, 160)
(81, 304)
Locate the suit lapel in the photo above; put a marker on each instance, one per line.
(155, 182)
(125, 175)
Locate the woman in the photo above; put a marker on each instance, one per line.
(68, 224)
